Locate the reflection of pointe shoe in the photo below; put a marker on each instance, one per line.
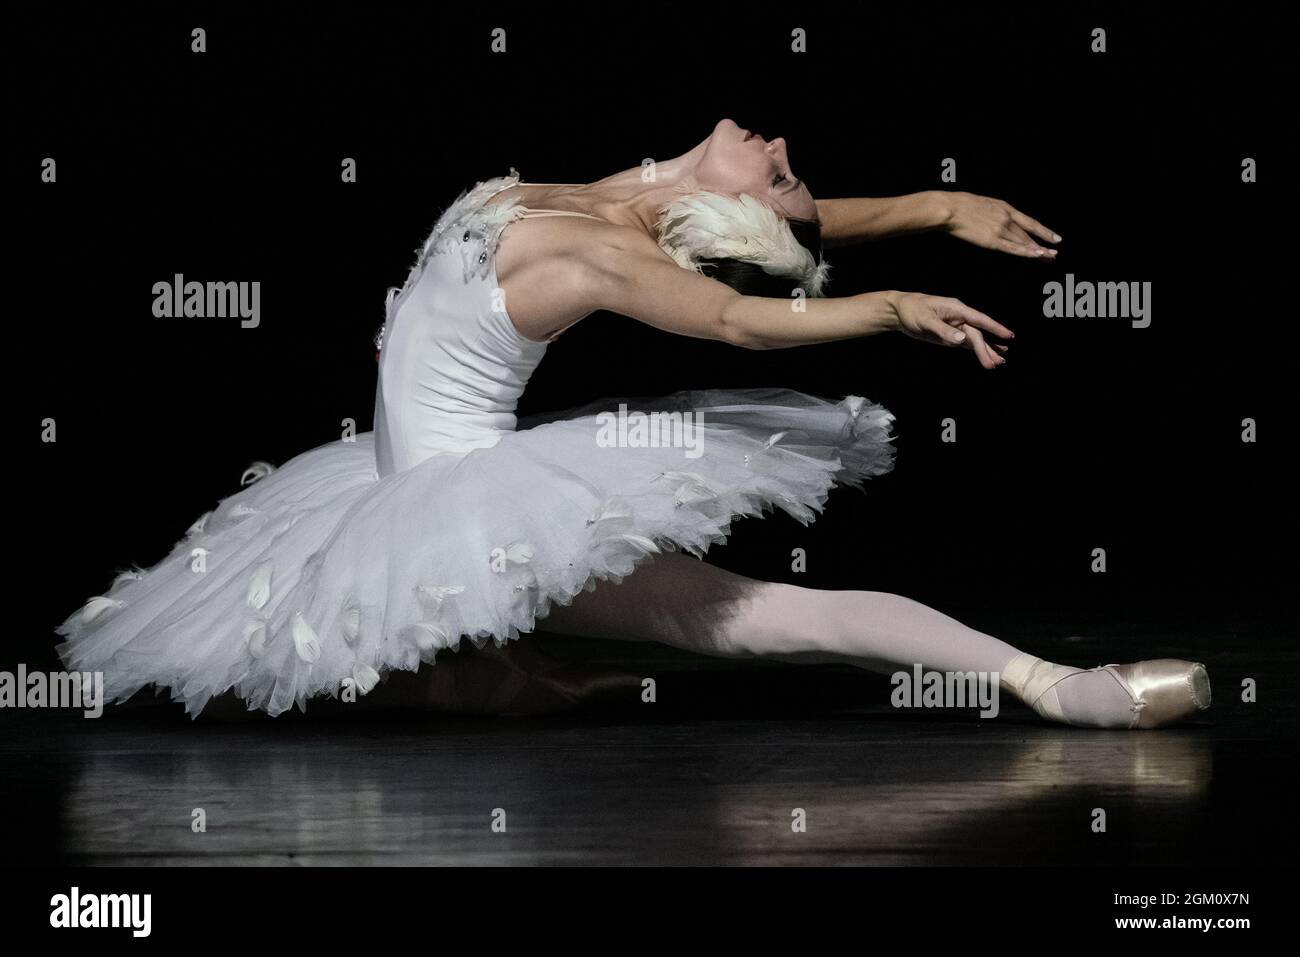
(1162, 691)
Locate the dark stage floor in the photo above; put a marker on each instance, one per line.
(708, 774)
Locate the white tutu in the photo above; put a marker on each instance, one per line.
(364, 556)
(323, 573)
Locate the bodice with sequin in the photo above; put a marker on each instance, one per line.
(452, 365)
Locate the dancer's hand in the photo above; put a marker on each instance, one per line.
(993, 224)
(950, 322)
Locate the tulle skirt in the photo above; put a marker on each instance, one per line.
(321, 576)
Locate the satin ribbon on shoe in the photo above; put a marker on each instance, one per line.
(1034, 682)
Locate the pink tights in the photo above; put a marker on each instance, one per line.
(686, 603)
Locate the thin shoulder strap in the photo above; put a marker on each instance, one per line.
(527, 212)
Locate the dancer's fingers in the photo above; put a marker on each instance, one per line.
(975, 340)
(1018, 235)
(945, 334)
(1032, 251)
(964, 313)
(1035, 227)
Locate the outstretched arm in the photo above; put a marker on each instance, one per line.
(865, 218)
(633, 277)
(981, 220)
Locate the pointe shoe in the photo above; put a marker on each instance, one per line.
(1163, 690)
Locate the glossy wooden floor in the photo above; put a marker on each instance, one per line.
(710, 774)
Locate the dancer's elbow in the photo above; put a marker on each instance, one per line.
(736, 326)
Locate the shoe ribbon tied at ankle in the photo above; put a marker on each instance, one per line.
(1034, 682)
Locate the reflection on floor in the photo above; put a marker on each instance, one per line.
(714, 772)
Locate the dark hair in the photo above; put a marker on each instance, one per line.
(750, 279)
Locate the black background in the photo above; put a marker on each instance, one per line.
(225, 165)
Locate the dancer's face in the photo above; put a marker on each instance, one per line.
(737, 161)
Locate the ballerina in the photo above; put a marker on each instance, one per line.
(365, 558)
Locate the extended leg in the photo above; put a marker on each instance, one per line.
(686, 603)
(681, 601)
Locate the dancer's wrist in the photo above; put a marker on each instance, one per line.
(891, 318)
(939, 209)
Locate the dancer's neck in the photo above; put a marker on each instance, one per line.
(634, 196)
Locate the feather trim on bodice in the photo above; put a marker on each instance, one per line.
(467, 225)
